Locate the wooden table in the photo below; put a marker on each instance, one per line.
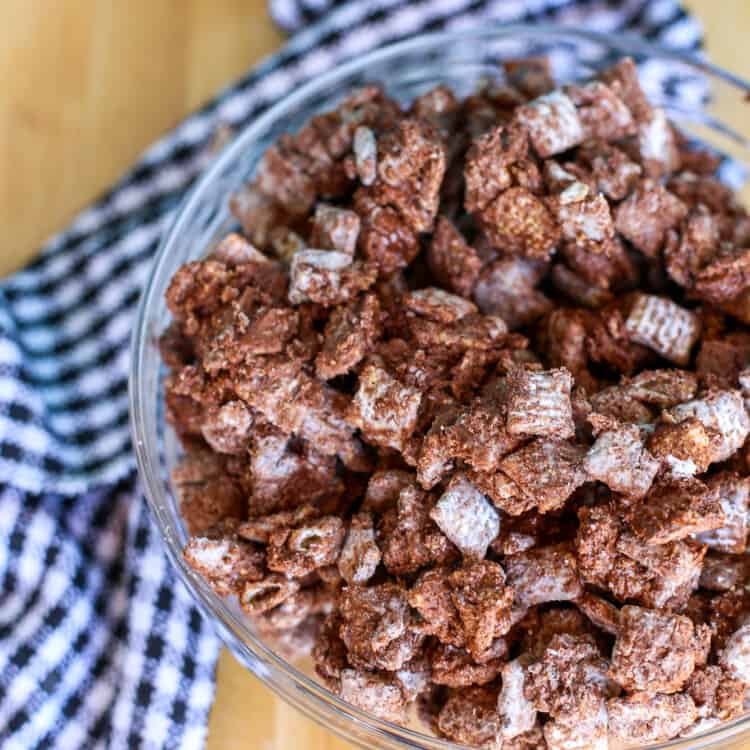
(87, 85)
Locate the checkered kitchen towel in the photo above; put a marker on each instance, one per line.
(100, 645)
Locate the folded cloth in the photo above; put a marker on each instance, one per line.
(100, 645)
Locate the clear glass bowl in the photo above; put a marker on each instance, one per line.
(709, 107)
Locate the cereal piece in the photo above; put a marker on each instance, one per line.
(384, 409)
(622, 78)
(539, 627)
(327, 277)
(376, 627)
(553, 123)
(584, 220)
(570, 679)
(384, 238)
(410, 168)
(544, 574)
(227, 428)
(660, 576)
(734, 495)
(614, 173)
(726, 277)
(685, 449)
(715, 693)
(373, 693)
(454, 667)
(350, 333)
(438, 305)
(608, 341)
(723, 411)
(292, 612)
(306, 548)
(257, 214)
(224, 560)
(507, 288)
(662, 388)
(281, 468)
(676, 508)
(470, 332)
(580, 735)
(643, 718)
(722, 572)
(563, 340)
(519, 222)
(595, 544)
(281, 175)
(285, 243)
(438, 106)
(259, 529)
(329, 652)
(656, 145)
(620, 460)
(587, 732)
(414, 678)
(603, 114)
(503, 492)
(697, 244)
(547, 470)
(486, 169)
(606, 265)
(483, 601)
(235, 250)
(452, 261)
(539, 403)
(646, 216)
(431, 597)
(475, 434)
(365, 150)
(559, 178)
(335, 229)
(517, 714)
(601, 613)
(206, 493)
(469, 717)
(656, 575)
(409, 539)
(735, 657)
(463, 514)
(384, 488)
(577, 289)
(721, 360)
(257, 597)
(654, 652)
(360, 554)
(530, 75)
(663, 326)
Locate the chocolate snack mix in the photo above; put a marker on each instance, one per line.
(463, 413)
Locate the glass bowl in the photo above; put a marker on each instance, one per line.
(696, 95)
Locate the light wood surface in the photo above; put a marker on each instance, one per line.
(87, 85)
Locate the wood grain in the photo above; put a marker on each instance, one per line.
(87, 85)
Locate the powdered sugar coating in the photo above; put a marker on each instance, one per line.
(539, 403)
(466, 517)
(620, 460)
(723, 411)
(517, 714)
(663, 326)
(553, 123)
(735, 657)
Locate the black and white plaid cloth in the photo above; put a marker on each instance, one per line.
(100, 645)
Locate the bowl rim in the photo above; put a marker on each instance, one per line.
(229, 628)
